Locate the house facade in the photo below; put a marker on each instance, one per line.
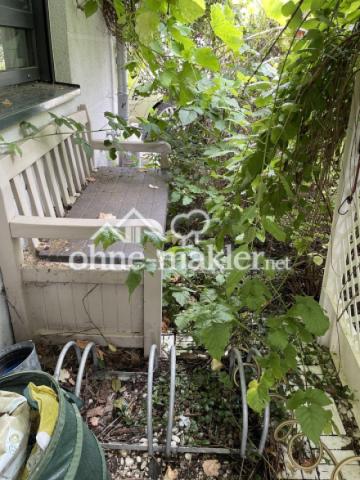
(52, 59)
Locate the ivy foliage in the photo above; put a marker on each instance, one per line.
(257, 131)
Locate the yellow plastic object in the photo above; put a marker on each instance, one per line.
(47, 403)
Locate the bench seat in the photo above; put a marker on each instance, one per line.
(117, 191)
(51, 198)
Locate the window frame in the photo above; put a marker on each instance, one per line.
(35, 22)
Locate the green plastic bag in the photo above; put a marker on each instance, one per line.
(73, 452)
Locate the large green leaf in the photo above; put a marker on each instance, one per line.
(207, 59)
(91, 7)
(187, 11)
(274, 229)
(187, 116)
(215, 338)
(313, 420)
(147, 23)
(273, 9)
(313, 316)
(133, 280)
(254, 294)
(224, 27)
(257, 396)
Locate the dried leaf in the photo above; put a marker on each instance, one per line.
(107, 216)
(211, 468)
(100, 354)
(64, 375)
(216, 366)
(171, 474)
(112, 348)
(91, 179)
(94, 421)
(7, 103)
(82, 344)
(95, 412)
(116, 385)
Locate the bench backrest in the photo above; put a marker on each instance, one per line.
(51, 171)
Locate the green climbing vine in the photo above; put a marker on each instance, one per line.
(261, 101)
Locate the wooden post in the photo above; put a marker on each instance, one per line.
(152, 304)
(11, 259)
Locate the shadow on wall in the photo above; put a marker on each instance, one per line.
(6, 335)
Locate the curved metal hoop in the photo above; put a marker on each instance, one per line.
(151, 370)
(171, 399)
(336, 474)
(62, 356)
(90, 347)
(236, 359)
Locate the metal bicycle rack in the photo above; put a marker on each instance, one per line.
(82, 359)
(237, 369)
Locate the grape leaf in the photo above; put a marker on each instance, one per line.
(313, 420)
(187, 116)
(133, 280)
(206, 58)
(274, 229)
(223, 25)
(147, 23)
(187, 11)
(254, 294)
(257, 396)
(90, 7)
(216, 338)
(313, 316)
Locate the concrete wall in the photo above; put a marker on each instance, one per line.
(84, 54)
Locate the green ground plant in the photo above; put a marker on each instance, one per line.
(261, 98)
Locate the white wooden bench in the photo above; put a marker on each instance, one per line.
(51, 300)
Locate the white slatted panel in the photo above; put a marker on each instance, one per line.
(341, 286)
(44, 191)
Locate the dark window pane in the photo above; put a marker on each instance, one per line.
(15, 50)
(17, 4)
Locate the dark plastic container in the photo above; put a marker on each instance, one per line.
(18, 358)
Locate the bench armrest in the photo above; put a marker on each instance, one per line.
(23, 226)
(163, 148)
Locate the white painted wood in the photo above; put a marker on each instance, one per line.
(162, 148)
(11, 257)
(69, 228)
(61, 179)
(65, 274)
(68, 314)
(136, 147)
(21, 198)
(22, 201)
(48, 299)
(84, 159)
(119, 340)
(78, 162)
(73, 165)
(111, 307)
(63, 153)
(340, 289)
(33, 191)
(44, 189)
(48, 138)
(53, 185)
(152, 305)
